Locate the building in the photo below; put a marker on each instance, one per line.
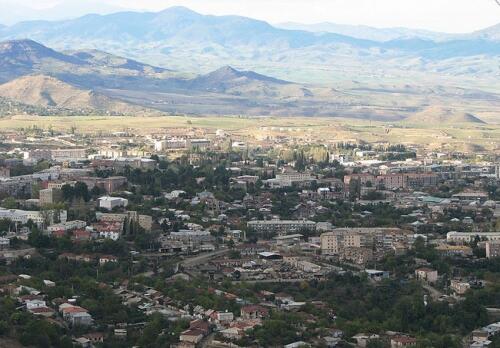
(61, 155)
(66, 226)
(40, 218)
(50, 196)
(110, 203)
(75, 315)
(110, 185)
(459, 287)
(281, 227)
(403, 341)
(253, 312)
(426, 274)
(454, 250)
(492, 249)
(289, 179)
(200, 144)
(467, 237)
(4, 243)
(379, 239)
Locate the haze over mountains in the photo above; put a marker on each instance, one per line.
(180, 61)
(181, 39)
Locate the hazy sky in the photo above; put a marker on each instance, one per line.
(439, 15)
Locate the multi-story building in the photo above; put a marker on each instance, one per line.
(50, 196)
(40, 218)
(4, 243)
(110, 185)
(378, 239)
(467, 237)
(61, 155)
(281, 227)
(427, 274)
(289, 179)
(493, 249)
(109, 203)
(66, 226)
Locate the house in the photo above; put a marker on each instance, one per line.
(75, 315)
(222, 317)
(459, 286)
(426, 274)
(403, 341)
(362, 339)
(31, 304)
(232, 333)
(104, 259)
(42, 311)
(95, 337)
(191, 336)
(254, 312)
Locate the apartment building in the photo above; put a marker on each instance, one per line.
(493, 249)
(50, 196)
(360, 245)
(281, 227)
(467, 237)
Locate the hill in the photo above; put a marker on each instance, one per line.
(440, 115)
(45, 91)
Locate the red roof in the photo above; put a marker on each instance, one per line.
(41, 310)
(74, 309)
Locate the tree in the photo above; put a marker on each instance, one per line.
(9, 203)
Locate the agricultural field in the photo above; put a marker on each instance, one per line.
(460, 136)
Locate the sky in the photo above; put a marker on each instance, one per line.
(453, 16)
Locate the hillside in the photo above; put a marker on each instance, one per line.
(439, 115)
(103, 81)
(45, 91)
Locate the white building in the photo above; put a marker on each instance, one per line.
(109, 203)
(4, 243)
(39, 218)
(281, 227)
(67, 226)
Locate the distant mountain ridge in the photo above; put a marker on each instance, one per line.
(366, 32)
(180, 39)
(96, 82)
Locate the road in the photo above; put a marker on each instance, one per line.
(435, 294)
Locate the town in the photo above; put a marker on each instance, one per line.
(200, 237)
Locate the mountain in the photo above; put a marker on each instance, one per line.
(45, 91)
(492, 33)
(104, 59)
(183, 40)
(175, 25)
(21, 57)
(366, 32)
(440, 115)
(92, 81)
(14, 11)
(231, 81)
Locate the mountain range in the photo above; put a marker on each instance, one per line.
(174, 58)
(181, 39)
